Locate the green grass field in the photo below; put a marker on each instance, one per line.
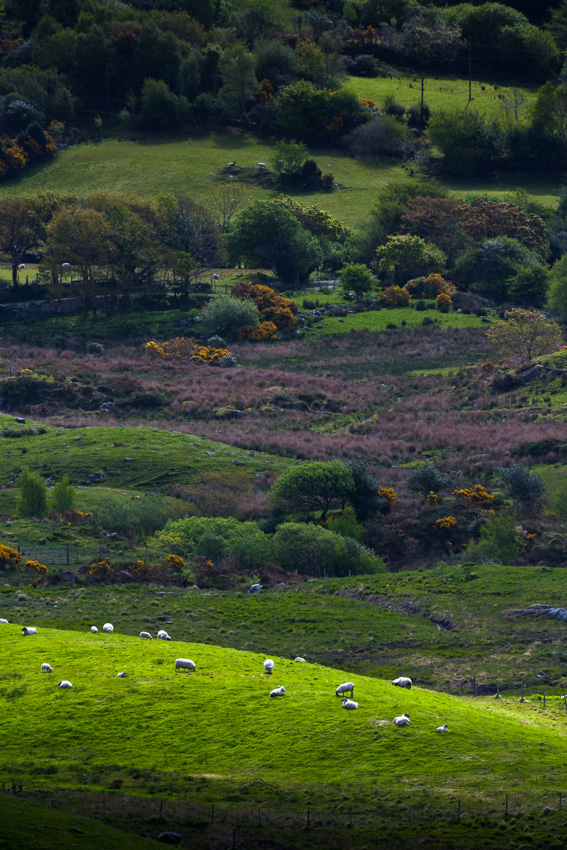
(221, 722)
(79, 451)
(194, 164)
(440, 93)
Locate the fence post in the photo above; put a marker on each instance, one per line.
(506, 805)
(160, 807)
(497, 691)
(350, 813)
(461, 687)
(560, 801)
(68, 561)
(459, 811)
(523, 700)
(233, 839)
(544, 697)
(104, 807)
(260, 816)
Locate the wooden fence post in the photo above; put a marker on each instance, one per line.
(522, 699)
(308, 818)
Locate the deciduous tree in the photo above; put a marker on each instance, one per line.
(525, 334)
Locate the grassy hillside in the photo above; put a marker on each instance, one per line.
(378, 626)
(193, 165)
(439, 92)
(129, 457)
(221, 721)
(23, 824)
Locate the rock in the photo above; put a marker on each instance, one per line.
(183, 323)
(226, 361)
(533, 373)
(65, 577)
(237, 462)
(541, 610)
(78, 438)
(217, 341)
(128, 459)
(255, 588)
(111, 535)
(125, 576)
(169, 838)
(97, 476)
(20, 420)
(211, 454)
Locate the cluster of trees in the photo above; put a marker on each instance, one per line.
(500, 250)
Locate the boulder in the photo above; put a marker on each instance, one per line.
(126, 577)
(169, 838)
(532, 373)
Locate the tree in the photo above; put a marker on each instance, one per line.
(528, 287)
(469, 142)
(226, 200)
(81, 237)
(357, 278)
(557, 299)
(381, 136)
(158, 55)
(525, 334)
(160, 108)
(365, 498)
(188, 229)
(313, 485)
(426, 479)
(487, 268)
(32, 501)
(498, 542)
(275, 62)
(267, 234)
(288, 157)
(406, 257)
(18, 233)
(63, 496)
(239, 83)
(525, 487)
(224, 315)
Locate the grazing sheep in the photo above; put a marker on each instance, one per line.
(231, 164)
(349, 704)
(278, 692)
(402, 720)
(65, 684)
(145, 635)
(268, 665)
(184, 664)
(94, 630)
(108, 627)
(46, 668)
(255, 588)
(442, 728)
(299, 658)
(346, 686)
(402, 682)
(29, 630)
(121, 675)
(261, 165)
(216, 277)
(2, 620)
(163, 635)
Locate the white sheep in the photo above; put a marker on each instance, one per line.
(94, 630)
(184, 664)
(231, 164)
(163, 635)
(46, 668)
(121, 675)
(346, 686)
(29, 630)
(65, 684)
(442, 728)
(402, 720)
(269, 665)
(255, 588)
(301, 659)
(216, 277)
(278, 692)
(261, 165)
(402, 682)
(349, 704)
(145, 635)
(2, 620)
(108, 627)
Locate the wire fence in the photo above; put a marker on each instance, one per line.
(418, 810)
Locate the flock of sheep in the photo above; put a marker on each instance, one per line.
(187, 664)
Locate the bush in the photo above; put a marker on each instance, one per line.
(525, 487)
(63, 496)
(381, 136)
(394, 296)
(9, 557)
(426, 479)
(95, 348)
(32, 501)
(498, 541)
(123, 516)
(225, 314)
(313, 550)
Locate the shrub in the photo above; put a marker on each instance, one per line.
(95, 348)
(328, 181)
(426, 479)
(174, 562)
(430, 286)
(381, 136)
(443, 302)
(388, 495)
(258, 333)
(477, 496)
(272, 308)
(32, 501)
(394, 296)
(498, 542)
(38, 568)
(102, 571)
(139, 516)
(445, 525)
(226, 313)
(180, 348)
(525, 487)
(9, 557)
(63, 496)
